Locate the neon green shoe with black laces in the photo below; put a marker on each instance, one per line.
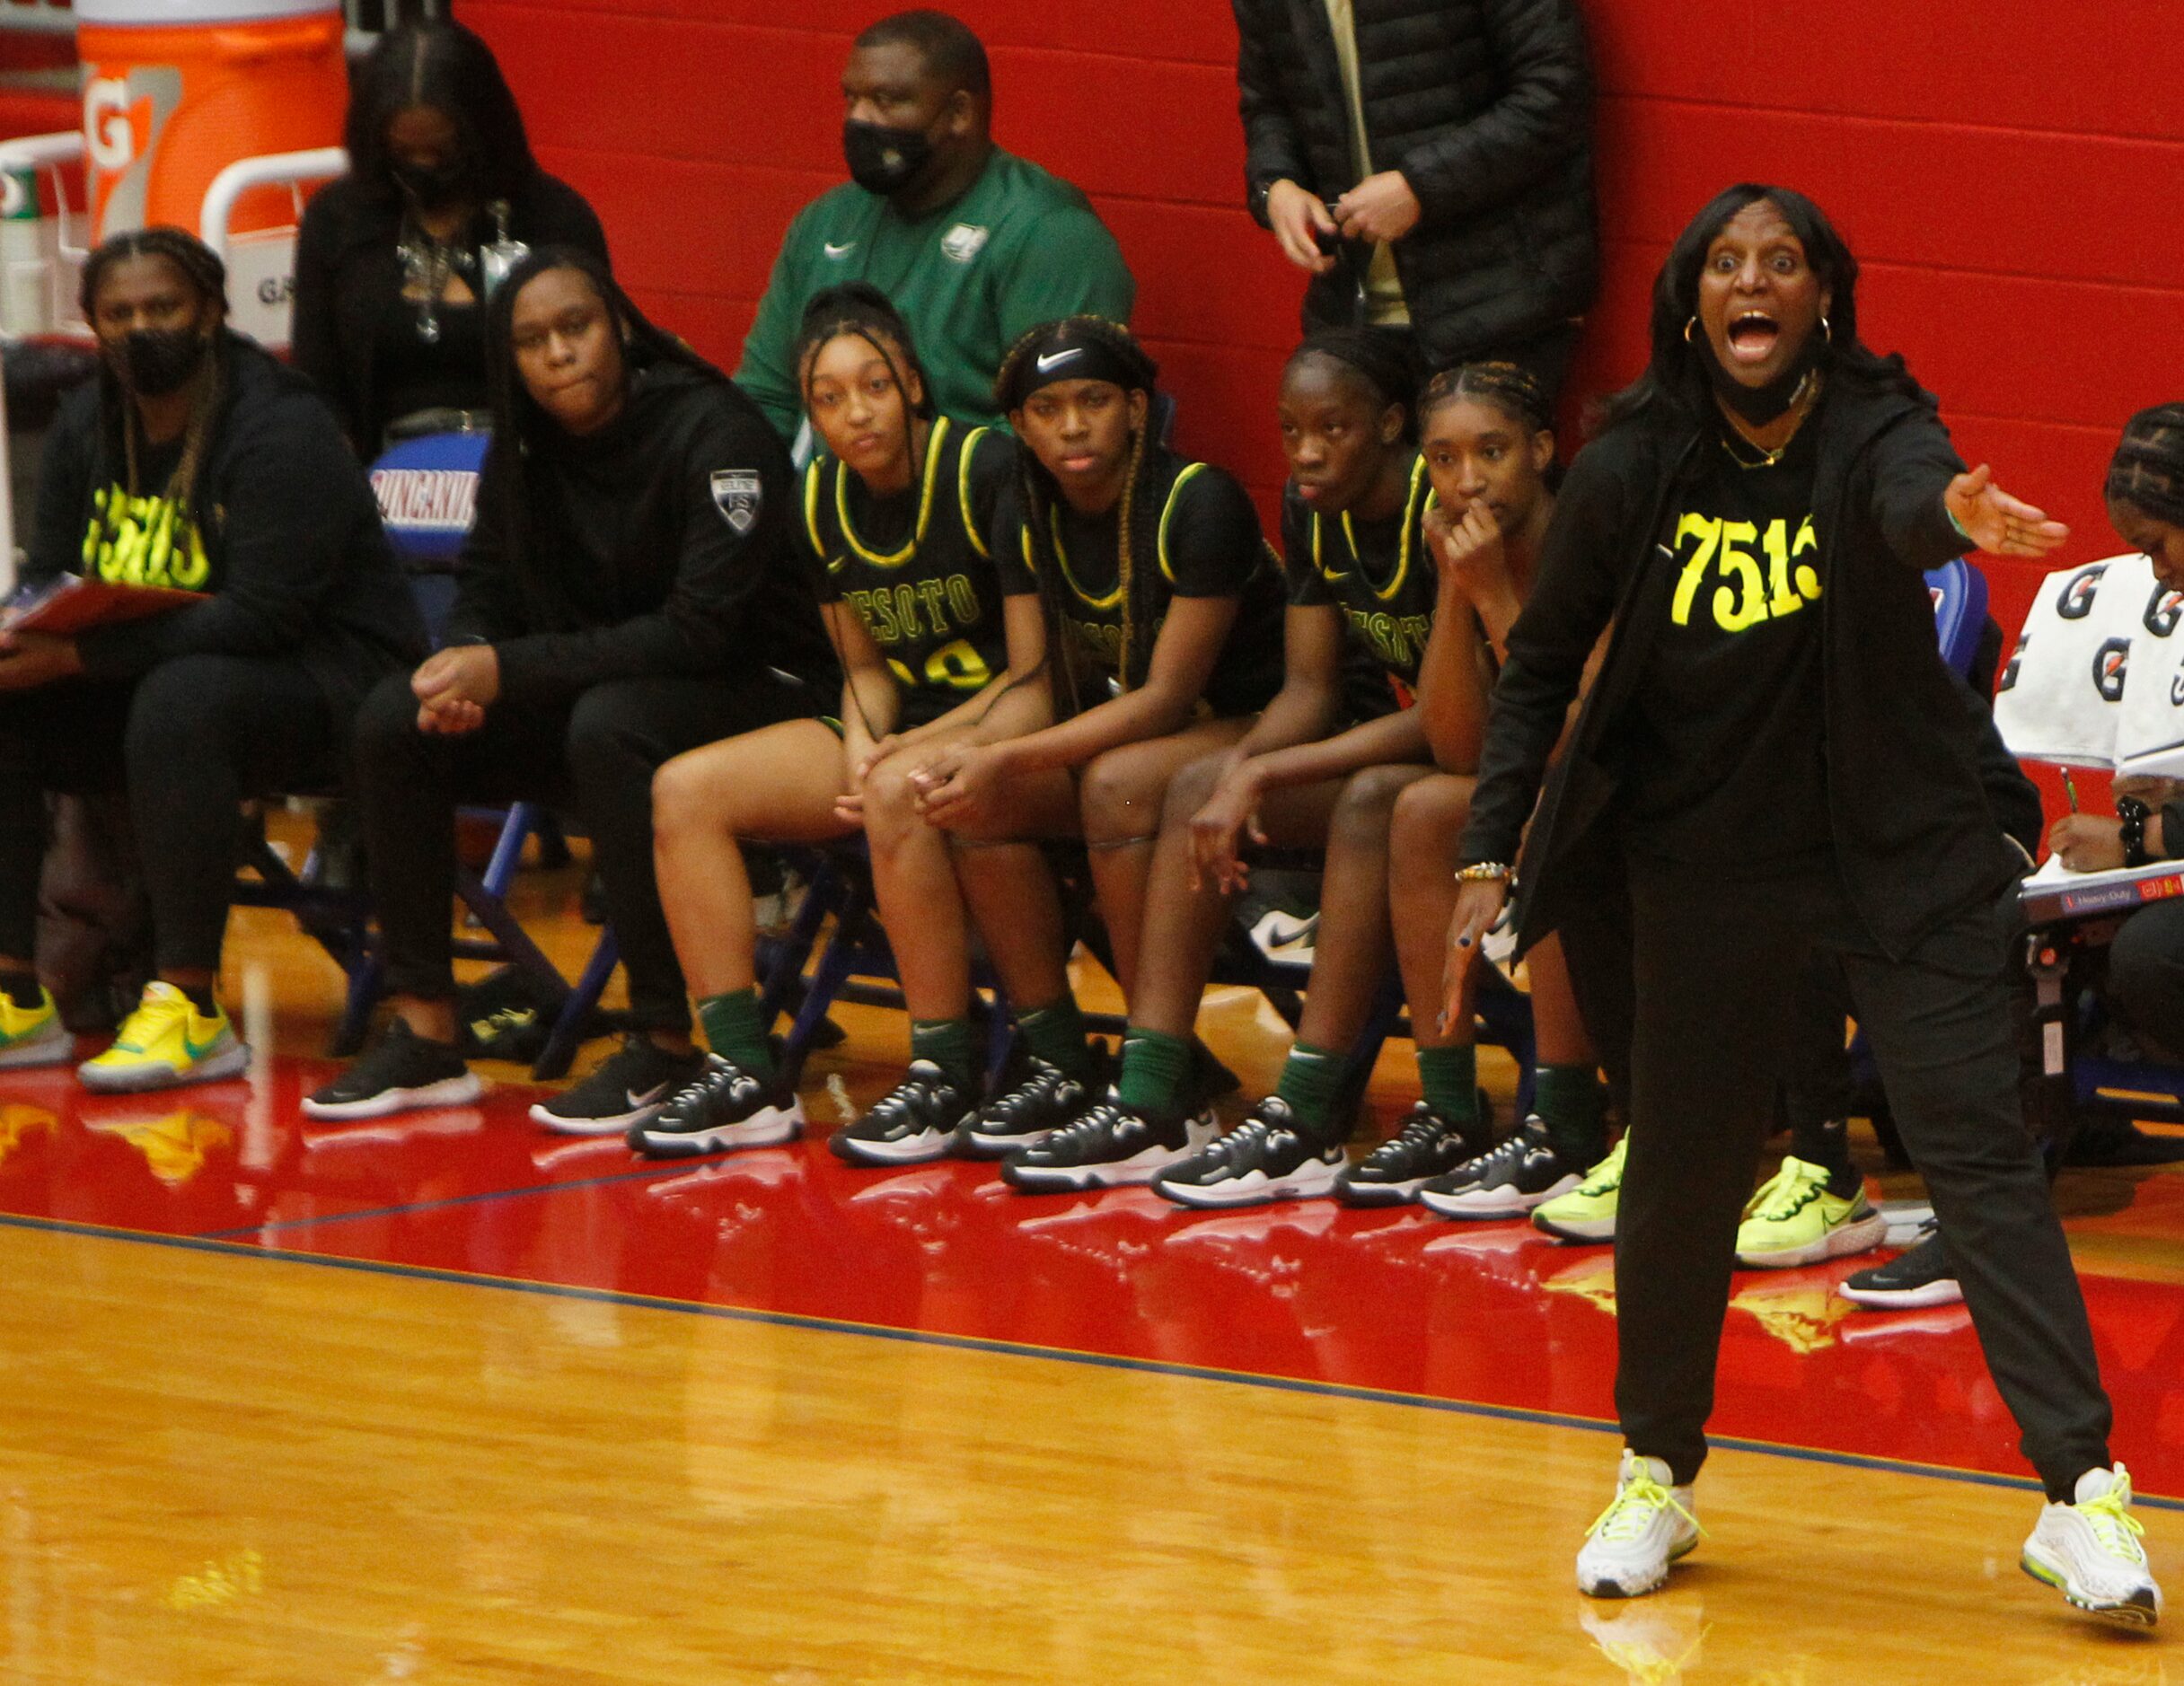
(1588, 1212)
(1793, 1220)
(167, 1042)
(33, 1036)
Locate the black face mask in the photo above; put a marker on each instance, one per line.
(884, 160)
(154, 362)
(1760, 405)
(430, 187)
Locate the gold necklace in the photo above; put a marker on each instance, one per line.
(1807, 394)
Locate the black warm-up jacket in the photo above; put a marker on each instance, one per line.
(658, 547)
(1486, 106)
(1914, 833)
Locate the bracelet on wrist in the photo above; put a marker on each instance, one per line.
(1485, 873)
(2132, 814)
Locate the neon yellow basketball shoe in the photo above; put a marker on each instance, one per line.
(166, 1043)
(33, 1036)
(1588, 1212)
(1793, 1220)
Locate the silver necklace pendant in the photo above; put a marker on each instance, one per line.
(428, 327)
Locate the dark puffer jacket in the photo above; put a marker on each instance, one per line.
(1485, 106)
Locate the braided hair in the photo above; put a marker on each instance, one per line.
(519, 424)
(2147, 471)
(1137, 519)
(200, 267)
(1514, 391)
(1382, 357)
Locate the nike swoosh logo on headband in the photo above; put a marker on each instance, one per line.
(1053, 360)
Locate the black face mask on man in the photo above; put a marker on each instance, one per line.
(884, 160)
(152, 362)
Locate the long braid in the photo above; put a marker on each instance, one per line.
(200, 266)
(1137, 515)
(2147, 471)
(859, 311)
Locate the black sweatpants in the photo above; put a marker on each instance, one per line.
(1717, 968)
(189, 741)
(2146, 977)
(592, 751)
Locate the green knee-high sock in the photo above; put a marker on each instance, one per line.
(1570, 1103)
(734, 1031)
(1450, 1078)
(1055, 1033)
(948, 1044)
(1154, 1066)
(1311, 1079)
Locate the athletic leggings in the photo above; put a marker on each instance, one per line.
(189, 741)
(593, 750)
(1717, 968)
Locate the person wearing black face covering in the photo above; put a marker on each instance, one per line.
(194, 461)
(973, 246)
(1772, 763)
(394, 260)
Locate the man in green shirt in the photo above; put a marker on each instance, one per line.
(975, 246)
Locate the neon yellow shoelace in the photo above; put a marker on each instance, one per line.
(1634, 1507)
(2112, 1522)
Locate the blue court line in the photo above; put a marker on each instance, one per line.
(408, 1207)
(1026, 1349)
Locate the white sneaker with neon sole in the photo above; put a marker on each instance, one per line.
(2089, 1549)
(1645, 1528)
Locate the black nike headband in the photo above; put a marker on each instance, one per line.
(1070, 355)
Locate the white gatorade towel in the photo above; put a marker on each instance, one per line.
(2061, 698)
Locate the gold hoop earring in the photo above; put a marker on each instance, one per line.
(1688, 326)
(1826, 332)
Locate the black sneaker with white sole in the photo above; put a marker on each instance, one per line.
(629, 1089)
(914, 1120)
(1110, 1146)
(401, 1071)
(1505, 1181)
(1920, 1277)
(1428, 1145)
(1044, 1100)
(724, 1107)
(1269, 1156)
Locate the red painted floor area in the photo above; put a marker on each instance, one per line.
(1490, 1313)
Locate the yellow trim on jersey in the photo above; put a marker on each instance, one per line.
(935, 444)
(1413, 511)
(962, 490)
(812, 473)
(1191, 471)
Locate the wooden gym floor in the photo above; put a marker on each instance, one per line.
(446, 1400)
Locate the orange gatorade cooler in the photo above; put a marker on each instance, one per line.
(175, 91)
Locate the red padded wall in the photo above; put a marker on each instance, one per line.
(2010, 184)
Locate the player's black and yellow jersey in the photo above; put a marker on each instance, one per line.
(1379, 573)
(1207, 543)
(917, 565)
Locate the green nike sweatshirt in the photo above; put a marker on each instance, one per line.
(1020, 246)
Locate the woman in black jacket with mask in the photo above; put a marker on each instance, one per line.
(393, 261)
(196, 462)
(1774, 761)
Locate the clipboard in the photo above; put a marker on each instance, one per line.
(70, 603)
